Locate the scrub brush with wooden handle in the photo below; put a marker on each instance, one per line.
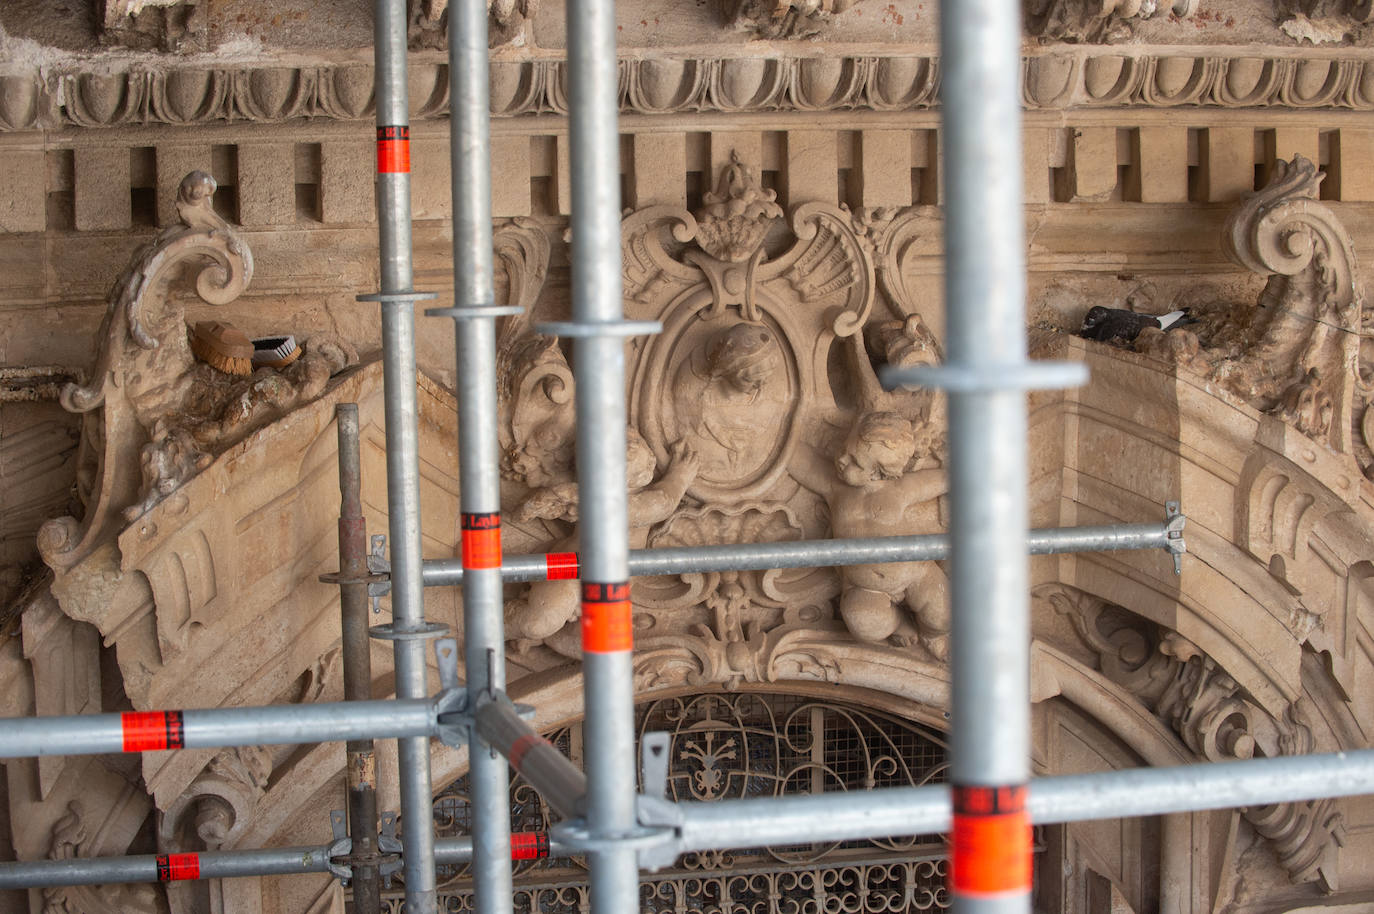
(223, 347)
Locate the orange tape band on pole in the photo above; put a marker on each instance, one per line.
(393, 150)
(560, 566)
(149, 731)
(529, 845)
(606, 618)
(991, 841)
(481, 540)
(177, 867)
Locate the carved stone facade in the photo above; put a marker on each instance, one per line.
(166, 522)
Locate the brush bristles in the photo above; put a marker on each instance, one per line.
(275, 352)
(219, 361)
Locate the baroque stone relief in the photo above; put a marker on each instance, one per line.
(756, 415)
(1214, 717)
(154, 415)
(1304, 352)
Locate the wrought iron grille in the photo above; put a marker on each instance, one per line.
(745, 745)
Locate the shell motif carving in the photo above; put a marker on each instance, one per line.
(346, 92)
(273, 94)
(21, 98)
(94, 100)
(189, 96)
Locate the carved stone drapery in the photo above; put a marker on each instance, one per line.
(1214, 717)
(1356, 10)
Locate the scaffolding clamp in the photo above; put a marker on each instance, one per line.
(1173, 534)
(380, 568)
(454, 718)
(339, 856)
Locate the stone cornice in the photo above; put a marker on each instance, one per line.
(1078, 78)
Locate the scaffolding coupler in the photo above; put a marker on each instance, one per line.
(1173, 534)
(339, 853)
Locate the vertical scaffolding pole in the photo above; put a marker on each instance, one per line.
(357, 662)
(479, 456)
(985, 304)
(599, 369)
(397, 299)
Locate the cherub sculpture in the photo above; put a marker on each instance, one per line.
(547, 611)
(887, 482)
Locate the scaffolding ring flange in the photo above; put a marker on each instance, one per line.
(393, 297)
(966, 379)
(388, 631)
(596, 329)
(472, 312)
(648, 842)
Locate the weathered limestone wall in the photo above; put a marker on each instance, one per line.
(1142, 137)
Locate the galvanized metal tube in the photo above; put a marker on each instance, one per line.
(818, 553)
(1103, 795)
(524, 846)
(281, 861)
(557, 779)
(357, 661)
(479, 450)
(831, 817)
(151, 731)
(603, 528)
(402, 436)
(985, 337)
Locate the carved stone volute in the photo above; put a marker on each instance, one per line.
(143, 364)
(1299, 349)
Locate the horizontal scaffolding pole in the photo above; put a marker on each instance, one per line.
(1134, 792)
(811, 553)
(847, 816)
(151, 731)
(282, 861)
